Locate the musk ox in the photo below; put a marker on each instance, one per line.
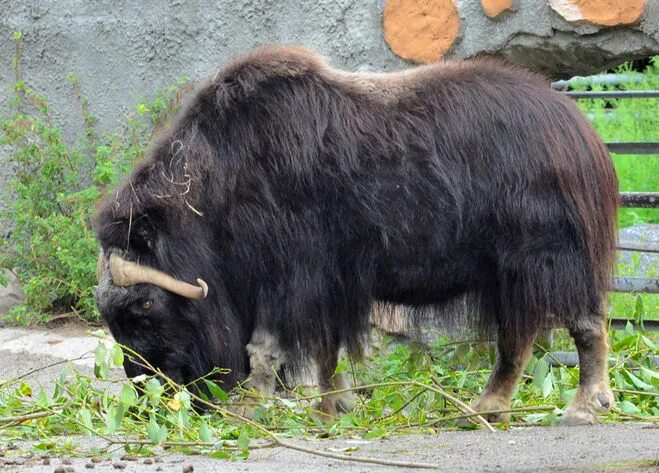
(302, 195)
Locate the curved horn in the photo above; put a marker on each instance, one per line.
(127, 273)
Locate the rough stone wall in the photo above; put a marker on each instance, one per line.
(122, 50)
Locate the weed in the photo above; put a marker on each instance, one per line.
(51, 246)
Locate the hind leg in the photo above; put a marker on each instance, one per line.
(512, 356)
(332, 404)
(594, 395)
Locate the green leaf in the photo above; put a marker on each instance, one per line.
(375, 433)
(243, 441)
(85, 417)
(154, 390)
(220, 454)
(127, 395)
(628, 407)
(100, 362)
(113, 418)
(650, 374)
(540, 373)
(639, 309)
(153, 430)
(217, 392)
(547, 385)
(638, 383)
(117, 355)
(205, 434)
(163, 433)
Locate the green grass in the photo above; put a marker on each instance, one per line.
(626, 120)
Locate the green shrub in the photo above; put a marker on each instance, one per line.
(51, 201)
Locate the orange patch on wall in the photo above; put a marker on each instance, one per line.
(421, 30)
(600, 12)
(494, 8)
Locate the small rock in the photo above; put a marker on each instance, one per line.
(188, 469)
(119, 465)
(157, 460)
(66, 461)
(158, 469)
(60, 469)
(70, 469)
(130, 458)
(96, 460)
(45, 461)
(90, 466)
(10, 461)
(148, 461)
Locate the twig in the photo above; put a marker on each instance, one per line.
(43, 368)
(407, 403)
(483, 413)
(23, 418)
(267, 444)
(637, 417)
(278, 441)
(639, 393)
(459, 404)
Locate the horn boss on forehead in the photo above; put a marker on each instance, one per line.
(127, 273)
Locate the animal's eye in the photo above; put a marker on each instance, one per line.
(146, 305)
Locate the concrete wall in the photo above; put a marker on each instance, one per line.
(123, 50)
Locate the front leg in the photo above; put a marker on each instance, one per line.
(333, 403)
(265, 359)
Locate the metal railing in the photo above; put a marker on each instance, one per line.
(631, 199)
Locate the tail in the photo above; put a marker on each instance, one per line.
(590, 184)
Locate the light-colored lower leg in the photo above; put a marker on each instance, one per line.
(332, 404)
(505, 375)
(265, 358)
(594, 395)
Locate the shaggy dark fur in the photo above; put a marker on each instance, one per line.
(303, 194)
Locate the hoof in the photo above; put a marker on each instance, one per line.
(587, 404)
(579, 418)
(489, 402)
(243, 411)
(330, 407)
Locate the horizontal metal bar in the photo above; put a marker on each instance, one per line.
(631, 246)
(621, 324)
(639, 199)
(636, 285)
(644, 147)
(623, 94)
(568, 358)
